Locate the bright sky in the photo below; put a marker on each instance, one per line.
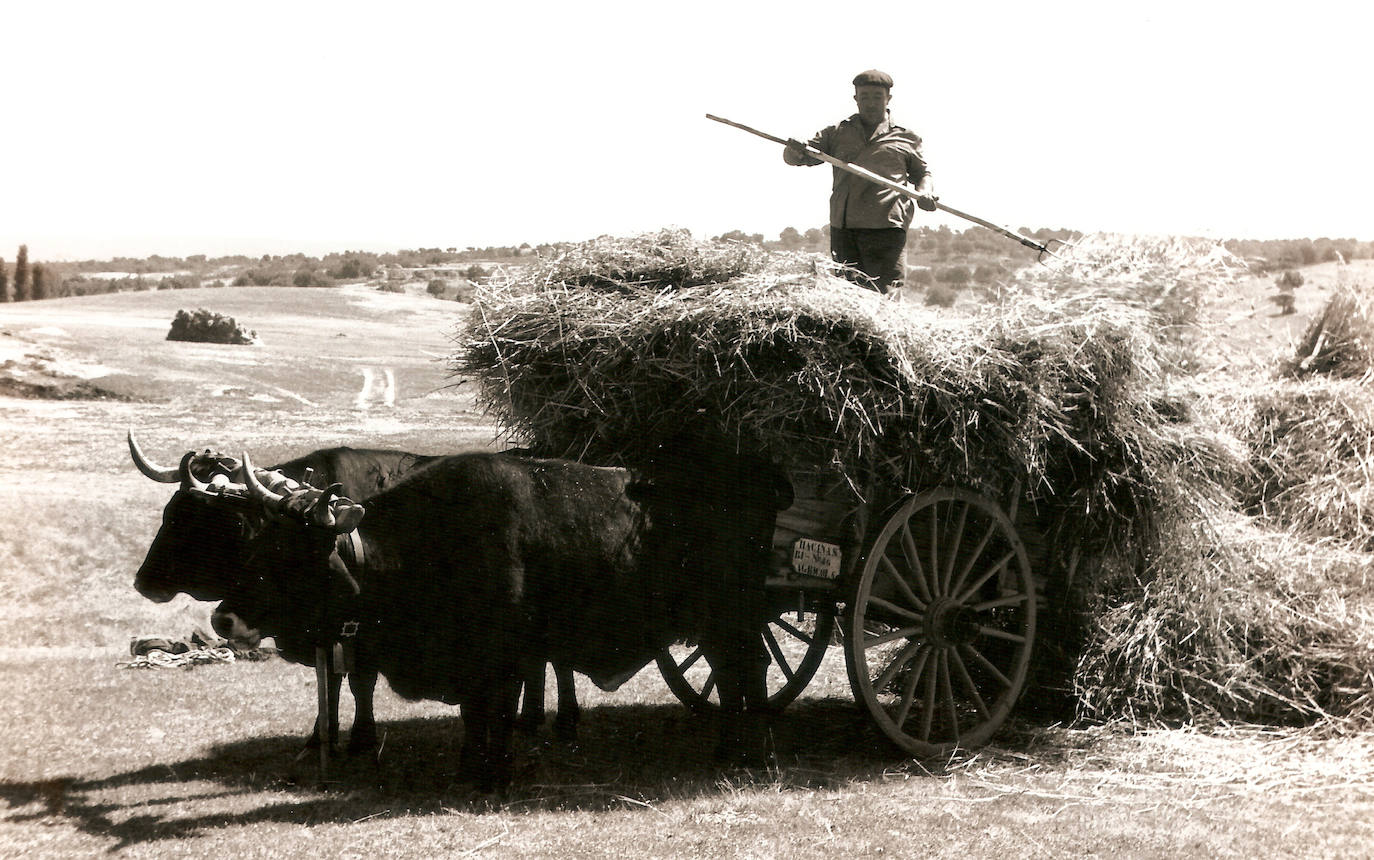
(269, 127)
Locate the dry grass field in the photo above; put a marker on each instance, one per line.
(98, 758)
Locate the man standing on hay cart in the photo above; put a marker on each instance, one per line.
(868, 222)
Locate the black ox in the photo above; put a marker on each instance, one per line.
(200, 550)
(474, 558)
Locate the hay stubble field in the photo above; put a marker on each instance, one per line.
(96, 758)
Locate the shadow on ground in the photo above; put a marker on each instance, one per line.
(627, 756)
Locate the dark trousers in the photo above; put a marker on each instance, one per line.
(877, 254)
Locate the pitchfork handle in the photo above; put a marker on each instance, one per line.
(888, 183)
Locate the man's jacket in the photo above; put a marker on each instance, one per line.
(892, 151)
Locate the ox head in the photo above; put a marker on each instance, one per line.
(213, 528)
(198, 547)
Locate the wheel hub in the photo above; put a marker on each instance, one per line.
(950, 623)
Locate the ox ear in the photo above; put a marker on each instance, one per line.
(347, 517)
(336, 513)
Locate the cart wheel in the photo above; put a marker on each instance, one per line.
(795, 641)
(941, 624)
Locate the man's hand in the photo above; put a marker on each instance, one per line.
(927, 202)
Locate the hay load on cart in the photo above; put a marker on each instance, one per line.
(954, 472)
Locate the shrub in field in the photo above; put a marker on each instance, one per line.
(202, 326)
(919, 277)
(464, 290)
(986, 274)
(1286, 301)
(263, 278)
(1289, 280)
(179, 282)
(941, 295)
(957, 275)
(353, 266)
(307, 277)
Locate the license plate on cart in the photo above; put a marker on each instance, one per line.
(816, 558)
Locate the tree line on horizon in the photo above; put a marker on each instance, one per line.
(935, 255)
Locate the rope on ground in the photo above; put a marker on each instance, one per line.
(159, 659)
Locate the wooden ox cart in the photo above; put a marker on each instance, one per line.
(934, 598)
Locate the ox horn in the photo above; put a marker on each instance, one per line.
(158, 473)
(340, 519)
(187, 478)
(256, 490)
(320, 513)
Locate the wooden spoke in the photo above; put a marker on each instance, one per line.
(991, 571)
(913, 560)
(1001, 634)
(710, 685)
(987, 665)
(929, 710)
(903, 657)
(973, 558)
(935, 549)
(897, 610)
(886, 566)
(1003, 601)
(947, 577)
(691, 658)
(947, 692)
(964, 676)
(778, 657)
(909, 688)
(796, 632)
(893, 636)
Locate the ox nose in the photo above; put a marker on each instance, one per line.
(229, 626)
(155, 593)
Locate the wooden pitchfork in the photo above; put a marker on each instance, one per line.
(1042, 250)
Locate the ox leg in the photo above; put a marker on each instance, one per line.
(569, 713)
(754, 687)
(472, 759)
(532, 708)
(363, 683)
(500, 728)
(741, 665)
(488, 726)
(313, 741)
(730, 738)
(742, 684)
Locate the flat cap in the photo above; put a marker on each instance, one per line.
(873, 78)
